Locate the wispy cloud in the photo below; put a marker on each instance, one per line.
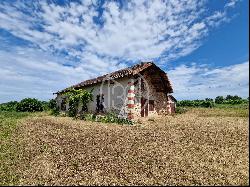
(21, 77)
(133, 30)
(201, 81)
(74, 41)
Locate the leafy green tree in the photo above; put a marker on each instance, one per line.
(29, 105)
(9, 106)
(229, 97)
(52, 104)
(209, 99)
(235, 97)
(53, 107)
(207, 104)
(219, 100)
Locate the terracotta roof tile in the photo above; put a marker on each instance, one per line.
(114, 75)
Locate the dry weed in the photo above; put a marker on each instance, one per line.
(174, 150)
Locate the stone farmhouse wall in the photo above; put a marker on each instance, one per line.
(123, 96)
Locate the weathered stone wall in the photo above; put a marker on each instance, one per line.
(123, 96)
(115, 96)
(149, 92)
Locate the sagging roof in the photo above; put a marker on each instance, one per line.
(130, 71)
(172, 98)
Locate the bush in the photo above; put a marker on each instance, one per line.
(53, 107)
(108, 118)
(219, 100)
(207, 104)
(180, 110)
(29, 105)
(45, 105)
(52, 104)
(230, 97)
(10, 106)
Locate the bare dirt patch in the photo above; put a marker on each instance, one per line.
(175, 150)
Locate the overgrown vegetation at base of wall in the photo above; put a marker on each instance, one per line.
(107, 118)
(54, 109)
(180, 110)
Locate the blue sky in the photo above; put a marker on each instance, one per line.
(46, 46)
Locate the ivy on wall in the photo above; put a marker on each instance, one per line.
(77, 98)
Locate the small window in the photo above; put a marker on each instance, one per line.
(99, 103)
(63, 105)
(151, 105)
(142, 84)
(111, 82)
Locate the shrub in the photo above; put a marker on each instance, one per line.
(29, 105)
(219, 100)
(230, 97)
(209, 99)
(53, 107)
(10, 106)
(180, 110)
(45, 105)
(207, 104)
(108, 118)
(52, 104)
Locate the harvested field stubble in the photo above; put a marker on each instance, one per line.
(176, 150)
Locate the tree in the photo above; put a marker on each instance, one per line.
(53, 107)
(209, 99)
(236, 97)
(9, 106)
(229, 97)
(29, 105)
(219, 100)
(207, 104)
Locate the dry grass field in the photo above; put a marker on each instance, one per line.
(199, 147)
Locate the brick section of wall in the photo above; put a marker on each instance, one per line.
(131, 100)
(169, 107)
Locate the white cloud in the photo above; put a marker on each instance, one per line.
(101, 42)
(231, 4)
(137, 30)
(201, 81)
(30, 73)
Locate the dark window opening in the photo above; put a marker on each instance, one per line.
(142, 84)
(63, 105)
(99, 103)
(151, 105)
(111, 82)
(84, 108)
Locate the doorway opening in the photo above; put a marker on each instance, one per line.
(144, 107)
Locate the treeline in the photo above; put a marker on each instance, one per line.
(28, 105)
(209, 102)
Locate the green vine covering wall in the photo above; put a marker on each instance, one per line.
(77, 98)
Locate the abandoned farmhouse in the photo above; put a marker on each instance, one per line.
(139, 91)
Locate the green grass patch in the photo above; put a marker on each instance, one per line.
(223, 112)
(9, 149)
